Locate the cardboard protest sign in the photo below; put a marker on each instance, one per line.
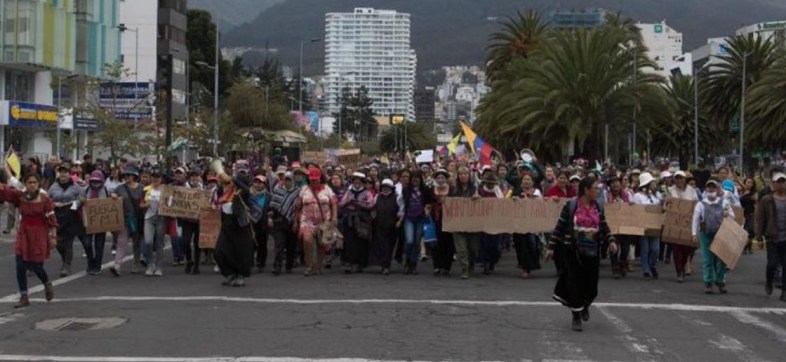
(677, 222)
(183, 202)
(497, 216)
(209, 226)
(103, 215)
(739, 215)
(729, 242)
(626, 219)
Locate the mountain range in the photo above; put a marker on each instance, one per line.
(451, 32)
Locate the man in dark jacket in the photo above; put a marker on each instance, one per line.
(770, 226)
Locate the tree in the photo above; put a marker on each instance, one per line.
(724, 89)
(356, 116)
(766, 104)
(519, 36)
(679, 131)
(558, 95)
(418, 137)
(201, 42)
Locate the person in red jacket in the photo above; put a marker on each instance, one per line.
(561, 190)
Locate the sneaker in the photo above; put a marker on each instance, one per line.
(680, 278)
(216, 269)
(385, 271)
(65, 271)
(24, 301)
(114, 252)
(228, 280)
(158, 273)
(149, 272)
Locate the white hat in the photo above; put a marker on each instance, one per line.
(680, 174)
(575, 177)
(359, 175)
(778, 175)
(645, 178)
(665, 174)
(389, 183)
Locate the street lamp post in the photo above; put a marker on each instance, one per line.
(742, 109)
(123, 28)
(215, 69)
(300, 70)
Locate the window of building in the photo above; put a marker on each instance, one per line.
(19, 86)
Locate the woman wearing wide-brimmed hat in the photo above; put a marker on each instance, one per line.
(489, 244)
(648, 245)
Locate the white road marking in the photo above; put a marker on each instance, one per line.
(68, 279)
(487, 303)
(627, 337)
(747, 318)
(12, 357)
(733, 345)
(9, 317)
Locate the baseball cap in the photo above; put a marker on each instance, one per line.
(180, 170)
(260, 178)
(778, 176)
(388, 182)
(680, 174)
(713, 181)
(288, 175)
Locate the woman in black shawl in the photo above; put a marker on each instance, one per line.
(235, 245)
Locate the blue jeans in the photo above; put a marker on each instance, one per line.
(21, 273)
(413, 232)
(649, 248)
(94, 249)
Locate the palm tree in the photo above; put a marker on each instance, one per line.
(724, 87)
(678, 132)
(518, 37)
(559, 95)
(767, 108)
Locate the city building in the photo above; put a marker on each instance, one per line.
(371, 48)
(50, 50)
(664, 45)
(571, 19)
(424, 104)
(155, 55)
(775, 30)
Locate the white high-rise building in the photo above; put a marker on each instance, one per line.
(371, 48)
(664, 45)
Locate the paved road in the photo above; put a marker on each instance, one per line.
(337, 317)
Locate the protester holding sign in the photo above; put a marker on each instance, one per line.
(36, 236)
(490, 244)
(683, 254)
(94, 243)
(580, 231)
(770, 227)
(619, 260)
(648, 245)
(527, 251)
(132, 192)
(707, 219)
(190, 228)
(443, 249)
(467, 244)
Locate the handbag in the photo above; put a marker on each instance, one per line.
(430, 231)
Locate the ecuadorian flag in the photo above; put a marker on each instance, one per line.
(478, 145)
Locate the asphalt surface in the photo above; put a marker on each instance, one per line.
(368, 316)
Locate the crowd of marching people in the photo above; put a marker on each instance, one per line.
(280, 216)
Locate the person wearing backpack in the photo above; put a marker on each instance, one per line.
(580, 231)
(94, 243)
(132, 192)
(707, 219)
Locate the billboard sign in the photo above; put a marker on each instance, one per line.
(129, 100)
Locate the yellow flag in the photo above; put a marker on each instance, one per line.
(13, 162)
(453, 144)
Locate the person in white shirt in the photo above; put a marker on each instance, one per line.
(648, 245)
(683, 254)
(708, 216)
